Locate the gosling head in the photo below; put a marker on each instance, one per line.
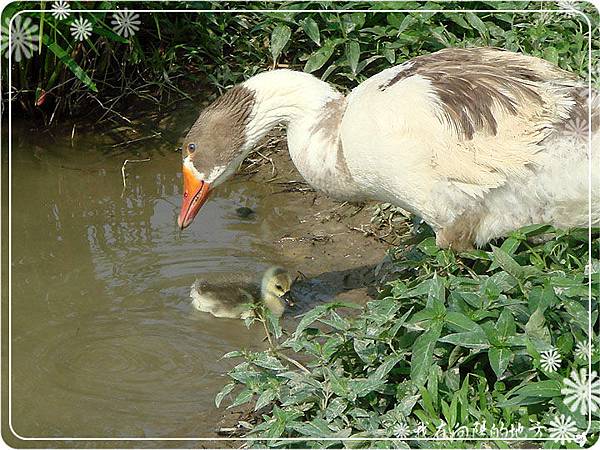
(275, 290)
(214, 148)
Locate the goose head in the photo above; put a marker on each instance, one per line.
(275, 290)
(213, 148)
(228, 129)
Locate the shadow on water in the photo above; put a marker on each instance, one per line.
(327, 286)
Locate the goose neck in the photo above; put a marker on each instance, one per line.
(284, 97)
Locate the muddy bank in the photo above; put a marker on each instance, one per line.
(336, 247)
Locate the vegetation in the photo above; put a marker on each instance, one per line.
(174, 53)
(472, 345)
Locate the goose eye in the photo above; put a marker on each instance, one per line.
(278, 286)
(191, 148)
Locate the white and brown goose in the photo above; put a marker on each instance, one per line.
(475, 141)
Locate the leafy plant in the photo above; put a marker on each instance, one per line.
(175, 53)
(455, 343)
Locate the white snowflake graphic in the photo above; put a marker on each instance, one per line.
(562, 429)
(582, 351)
(577, 129)
(81, 29)
(61, 9)
(401, 430)
(582, 394)
(595, 102)
(568, 7)
(23, 38)
(126, 23)
(550, 360)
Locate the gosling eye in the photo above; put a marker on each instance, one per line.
(191, 148)
(278, 286)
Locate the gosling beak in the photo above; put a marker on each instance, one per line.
(195, 193)
(287, 298)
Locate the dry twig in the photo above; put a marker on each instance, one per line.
(123, 171)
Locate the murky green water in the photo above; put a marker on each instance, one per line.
(104, 342)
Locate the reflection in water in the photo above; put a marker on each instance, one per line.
(103, 338)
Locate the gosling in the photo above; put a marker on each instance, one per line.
(227, 298)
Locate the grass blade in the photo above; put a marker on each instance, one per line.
(70, 63)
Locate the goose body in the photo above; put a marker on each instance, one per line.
(228, 296)
(475, 141)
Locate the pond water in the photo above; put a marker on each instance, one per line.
(104, 342)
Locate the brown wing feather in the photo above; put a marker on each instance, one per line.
(474, 85)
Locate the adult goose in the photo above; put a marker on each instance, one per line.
(476, 141)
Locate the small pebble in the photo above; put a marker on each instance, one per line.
(244, 212)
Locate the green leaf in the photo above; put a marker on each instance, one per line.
(578, 312)
(315, 428)
(335, 408)
(364, 386)
(551, 54)
(459, 322)
(432, 383)
(499, 359)
(534, 230)
(311, 29)
(541, 298)
(70, 63)
(273, 323)
(471, 339)
(266, 397)
(422, 353)
(504, 281)
(564, 343)
(457, 19)
(506, 325)
(428, 246)
(243, 397)
(320, 57)
(277, 427)
(279, 38)
(389, 54)
(353, 55)
(437, 295)
(532, 393)
(406, 23)
(384, 368)
(221, 395)
(420, 319)
(427, 402)
(507, 263)
(309, 318)
(476, 23)
(535, 328)
(268, 362)
(233, 354)
(543, 389)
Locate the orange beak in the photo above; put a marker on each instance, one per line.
(195, 193)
